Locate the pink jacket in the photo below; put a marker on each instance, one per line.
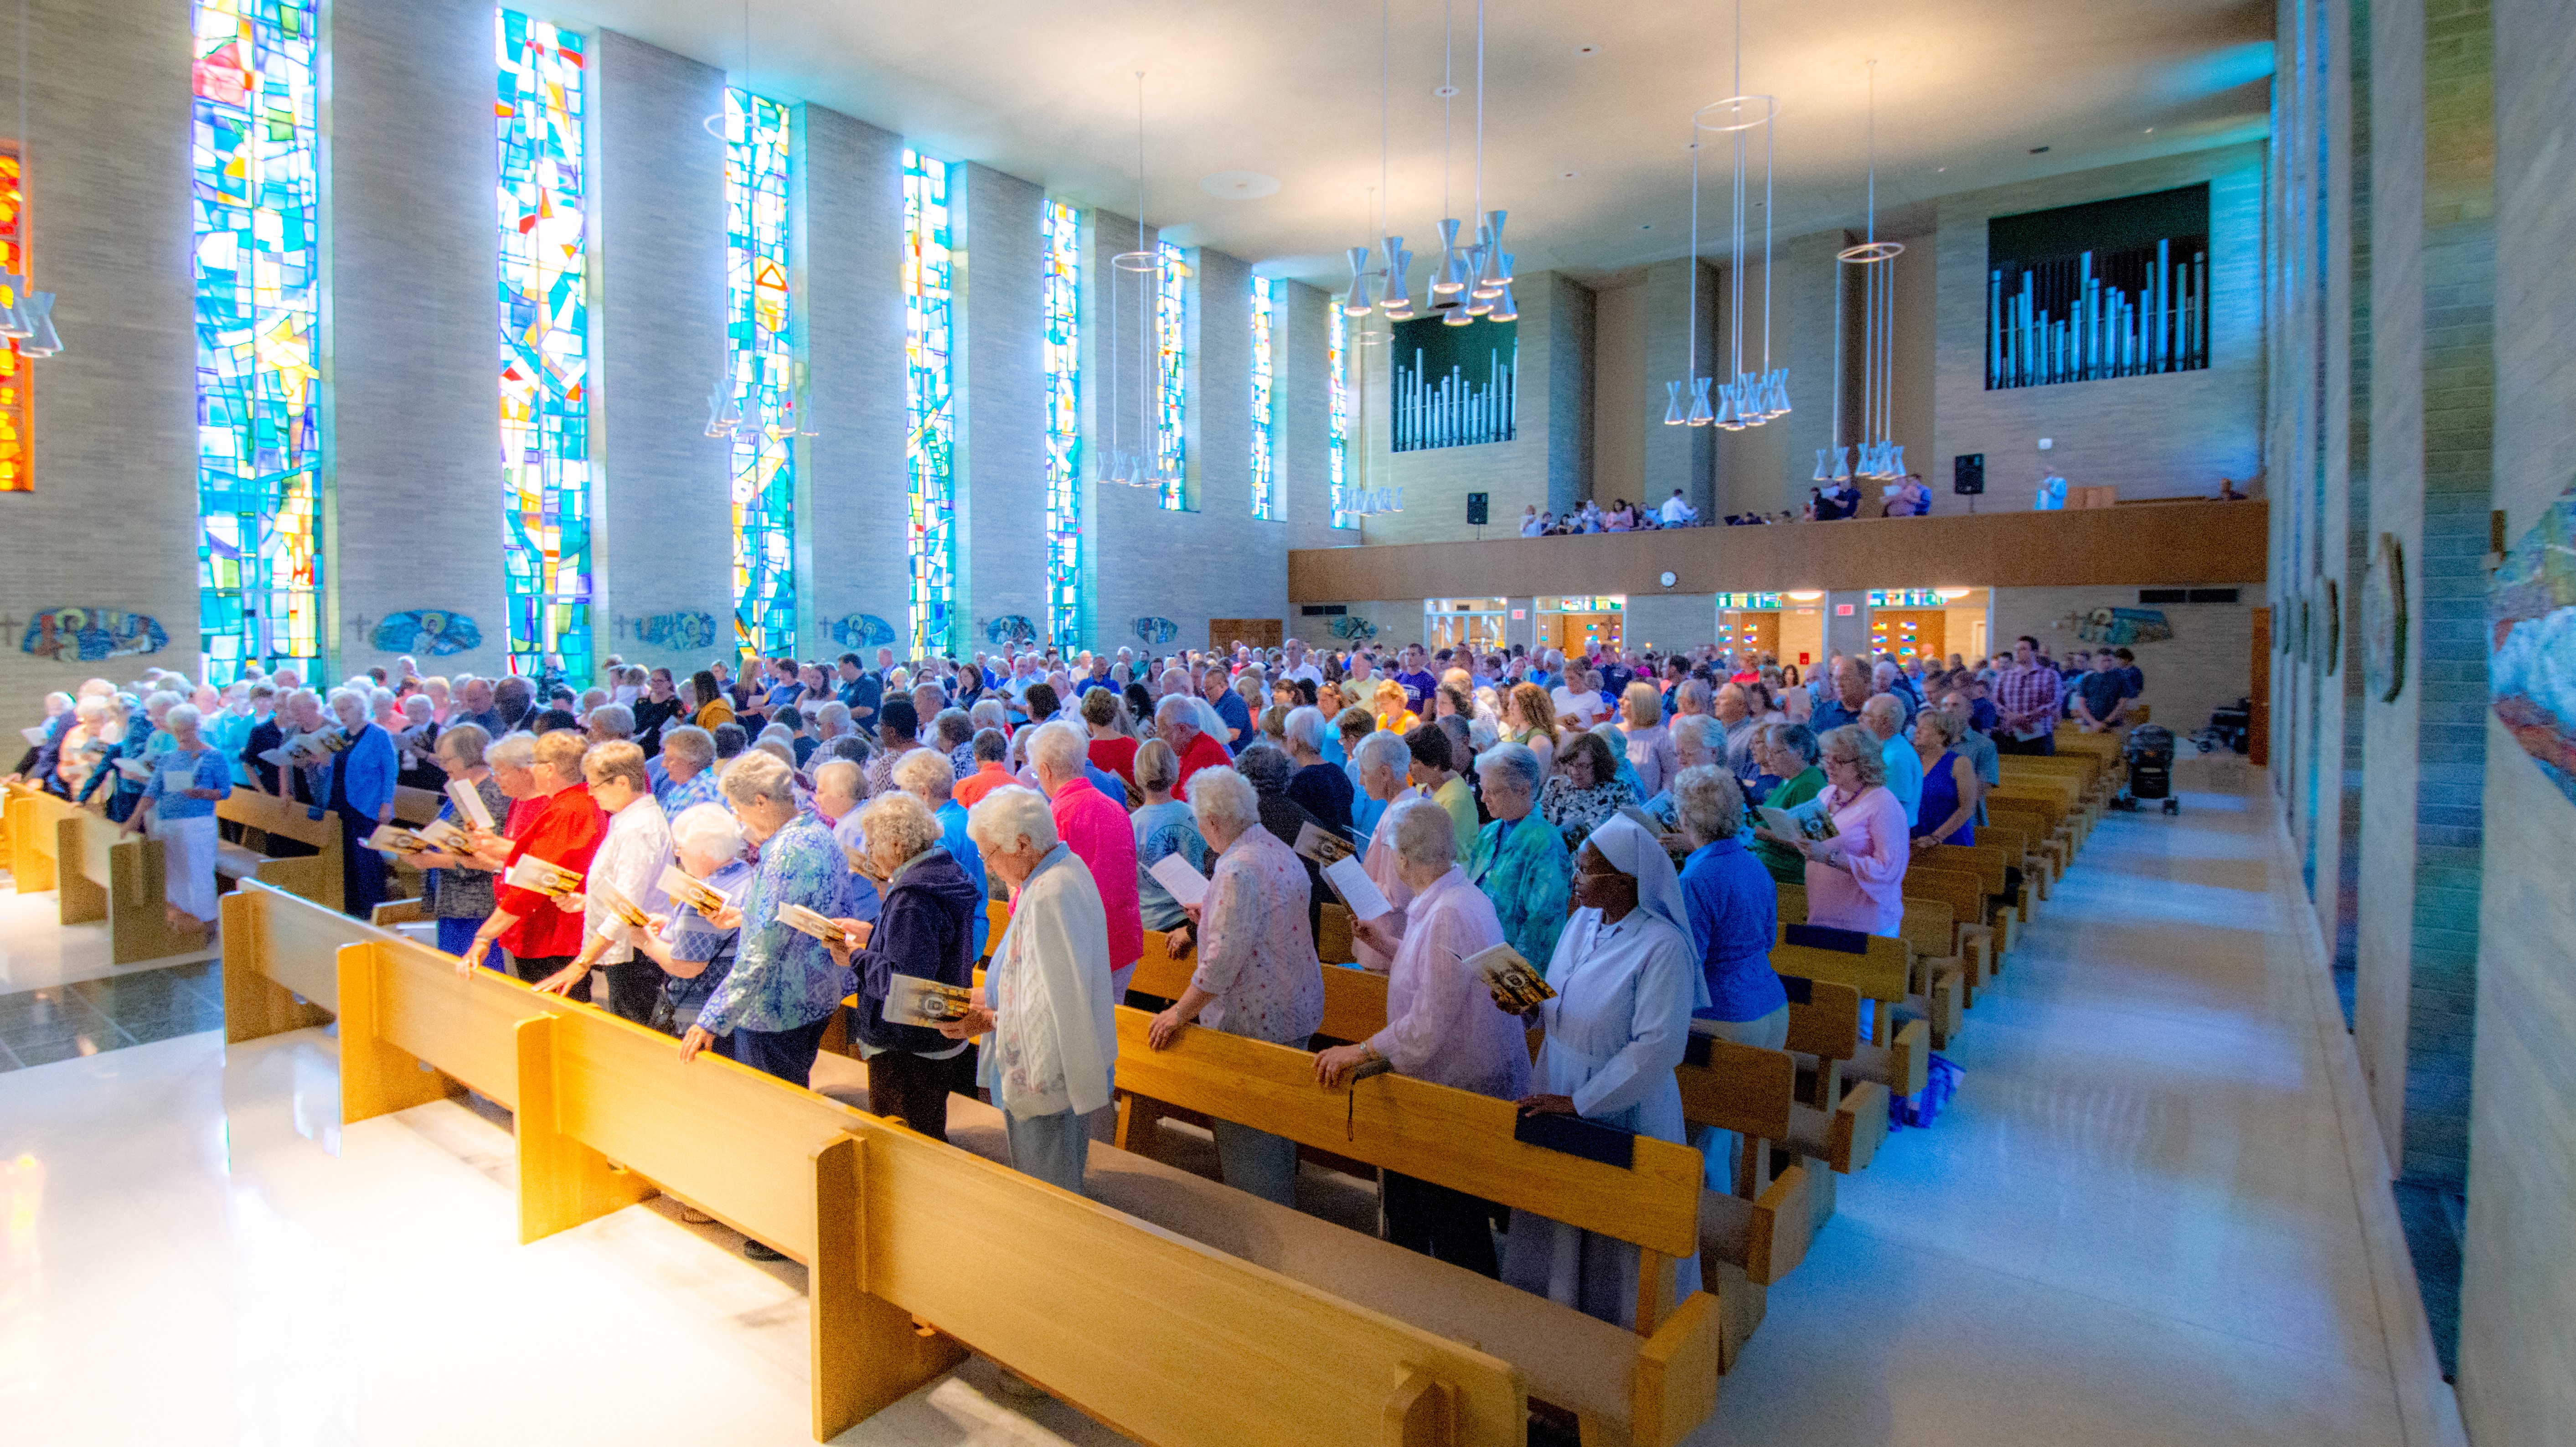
(1102, 836)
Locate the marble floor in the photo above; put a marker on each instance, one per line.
(2149, 1217)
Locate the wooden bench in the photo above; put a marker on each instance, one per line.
(916, 1251)
(1896, 1056)
(1945, 969)
(1963, 899)
(97, 872)
(1354, 999)
(264, 817)
(1837, 1121)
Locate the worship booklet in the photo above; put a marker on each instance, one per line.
(1321, 845)
(536, 874)
(1807, 821)
(439, 834)
(1357, 890)
(134, 769)
(1510, 977)
(469, 804)
(395, 839)
(35, 737)
(805, 921)
(694, 892)
(912, 1000)
(619, 906)
(1185, 885)
(179, 776)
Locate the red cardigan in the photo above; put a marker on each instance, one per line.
(566, 830)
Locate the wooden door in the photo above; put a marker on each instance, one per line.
(1224, 633)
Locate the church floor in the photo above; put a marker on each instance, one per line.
(2138, 1223)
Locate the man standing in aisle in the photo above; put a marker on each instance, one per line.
(2026, 702)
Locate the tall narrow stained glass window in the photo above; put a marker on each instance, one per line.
(1060, 226)
(1171, 374)
(257, 200)
(17, 419)
(930, 442)
(545, 346)
(1337, 366)
(764, 373)
(1265, 398)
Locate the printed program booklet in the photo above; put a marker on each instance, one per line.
(1807, 821)
(912, 1000)
(1357, 890)
(1185, 885)
(692, 891)
(469, 804)
(805, 921)
(395, 839)
(1322, 845)
(1510, 976)
(542, 876)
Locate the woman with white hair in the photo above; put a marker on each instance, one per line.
(1441, 1025)
(695, 951)
(1856, 879)
(1319, 786)
(179, 804)
(1385, 766)
(1520, 863)
(1257, 973)
(1626, 981)
(785, 984)
(1047, 999)
(925, 930)
(629, 862)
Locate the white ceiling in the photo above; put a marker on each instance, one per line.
(1048, 92)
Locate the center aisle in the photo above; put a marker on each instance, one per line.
(2135, 1223)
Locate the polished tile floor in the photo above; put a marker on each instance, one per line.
(2137, 1224)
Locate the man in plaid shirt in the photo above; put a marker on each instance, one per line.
(2026, 700)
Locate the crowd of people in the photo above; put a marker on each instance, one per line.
(730, 856)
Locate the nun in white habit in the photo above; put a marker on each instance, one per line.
(1626, 979)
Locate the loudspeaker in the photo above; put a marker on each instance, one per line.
(1968, 474)
(1475, 509)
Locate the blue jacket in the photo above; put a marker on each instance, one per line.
(369, 758)
(926, 929)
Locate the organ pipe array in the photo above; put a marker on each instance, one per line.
(2145, 311)
(1452, 411)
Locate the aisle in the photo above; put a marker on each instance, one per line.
(2136, 1225)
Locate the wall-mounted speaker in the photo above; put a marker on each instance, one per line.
(1476, 509)
(1968, 474)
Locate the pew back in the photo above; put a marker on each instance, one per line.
(1876, 970)
(315, 876)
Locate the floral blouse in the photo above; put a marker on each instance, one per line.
(1574, 811)
(1525, 869)
(783, 978)
(1255, 953)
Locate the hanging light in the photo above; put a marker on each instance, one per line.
(1453, 277)
(1872, 260)
(13, 320)
(1699, 415)
(1504, 308)
(1674, 416)
(1127, 467)
(1749, 394)
(1398, 300)
(1357, 303)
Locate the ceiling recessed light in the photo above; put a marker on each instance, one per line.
(1587, 50)
(2151, 130)
(1240, 185)
(1445, 92)
(1649, 226)
(2039, 150)
(1940, 168)
(1567, 175)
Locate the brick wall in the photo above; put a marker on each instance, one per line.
(2207, 664)
(1002, 398)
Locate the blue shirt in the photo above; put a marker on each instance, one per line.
(1734, 917)
(1904, 776)
(783, 978)
(208, 769)
(1229, 706)
(700, 789)
(1829, 713)
(952, 829)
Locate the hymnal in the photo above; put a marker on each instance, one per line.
(1356, 889)
(1807, 821)
(1185, 885)
(469, 804)
(1321, 845)
(1510, 977)
(912, 1000)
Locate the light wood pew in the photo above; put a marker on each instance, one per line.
(2033, 864)
(1354, 999)
(97, 872)
(1110, 1312)
(33, 814)
(1963, 898)
(2045, 840)
(1896, 1056)
(1944, 969)
(1987, 863)
(315, 876)
(1839, 1122)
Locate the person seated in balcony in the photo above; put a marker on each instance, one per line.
(1912, 499)
(1621, 518)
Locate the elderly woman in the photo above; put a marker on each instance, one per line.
(1587, 789)
(629, 861)
(554, 820)
(1625, 984)
(1788, 779)
(1385, 763)
(925, 929)
(785, 984)
(1947, 810)
(1522, 866)
(1650, 745)
(460, 887)
(1733, 910)
(1440, 1025)
(924, 775)
(1163, 825)
(1319, 786)
(1047, 1001)
(1855, 880)
(357, 783)
(179, 804)
(1257, 973)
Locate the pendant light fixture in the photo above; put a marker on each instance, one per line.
(1749, 397)
(1698, 414)
(1873, 452)
(1128, 467)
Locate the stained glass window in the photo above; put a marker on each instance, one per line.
(930, 443)
(17, 448)
(1265, 399)
(1171, 386)
(1061, 230)
(259, 425)
(1338, 365)
(545, 347)
(764, 370)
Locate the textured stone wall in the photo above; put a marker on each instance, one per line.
(2517, 1361)
(1002, 398)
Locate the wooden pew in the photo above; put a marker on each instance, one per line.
(1944, 967)
(1963, 898)
(1898, 1057)
(1840, 1122)
(2045, 838)
(1354, 999)
(97, 872)
(315, 876)
(897, 1230)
